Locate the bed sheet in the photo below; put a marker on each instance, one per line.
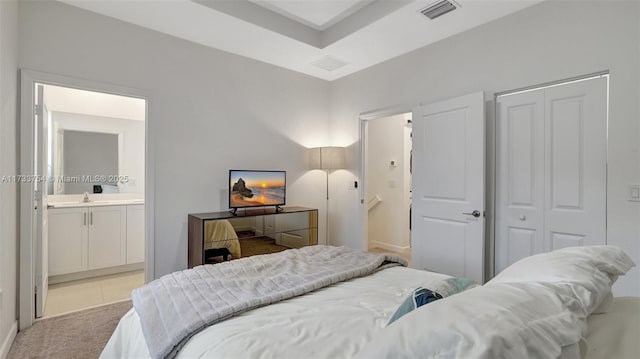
(615, 334)
(333, 322)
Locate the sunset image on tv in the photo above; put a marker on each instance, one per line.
(256, 188)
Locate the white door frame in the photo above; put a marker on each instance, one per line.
(27, 248)
(364, 119)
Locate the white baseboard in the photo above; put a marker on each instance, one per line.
(8, 340)
(390, 247)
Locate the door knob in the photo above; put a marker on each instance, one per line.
(523, 217)
(475, 213)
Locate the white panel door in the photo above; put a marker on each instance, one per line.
(40, 195)
(551, 170)
(576, 164)
(135, 234)
(107, 236)
(67, 240)
(520, 177)
(448, 187)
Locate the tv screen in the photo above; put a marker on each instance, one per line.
(256, 188)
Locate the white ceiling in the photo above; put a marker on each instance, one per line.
(64, 99)
(358, 33)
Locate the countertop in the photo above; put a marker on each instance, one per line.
(98, 203)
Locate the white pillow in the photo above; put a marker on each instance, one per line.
(591, 270)
(506, 320)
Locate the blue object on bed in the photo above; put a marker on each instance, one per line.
(421, 296)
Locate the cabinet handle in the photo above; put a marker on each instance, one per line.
(91, 218)
(84, 218)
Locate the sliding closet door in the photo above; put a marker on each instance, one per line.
(576, 164)
(447, 233)
(520, 179)
(551, 170)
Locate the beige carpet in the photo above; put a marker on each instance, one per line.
(76, 335)
(259, 245)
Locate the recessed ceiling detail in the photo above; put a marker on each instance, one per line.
(317, 14)
(70, 100)
(360, 33)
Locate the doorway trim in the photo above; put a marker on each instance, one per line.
(363, 120)
(26, 291)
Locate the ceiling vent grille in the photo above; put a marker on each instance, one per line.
(437, 9)
(329, 63)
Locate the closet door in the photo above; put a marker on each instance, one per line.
(551, 170)
(576, 164)
(520, 179)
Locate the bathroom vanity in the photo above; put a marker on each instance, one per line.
(94, 238)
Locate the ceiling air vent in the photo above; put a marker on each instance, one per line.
(329, 63)
(437, 9)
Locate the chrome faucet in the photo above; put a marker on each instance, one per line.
(85, 197)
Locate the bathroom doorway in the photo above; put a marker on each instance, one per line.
(85, 233)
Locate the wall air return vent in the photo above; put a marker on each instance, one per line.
(437, 9)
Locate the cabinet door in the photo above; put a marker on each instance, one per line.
(135, 234)
(107, 236)
(67, 240)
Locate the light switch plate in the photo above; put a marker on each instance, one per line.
(634, 192)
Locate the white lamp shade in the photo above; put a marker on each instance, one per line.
(327, 158)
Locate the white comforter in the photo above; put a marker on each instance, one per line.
(333, 322)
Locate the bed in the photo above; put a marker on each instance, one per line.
(349, 319)
(615, 334)
(220, 234)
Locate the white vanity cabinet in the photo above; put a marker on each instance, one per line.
(135, 233)
(107, 236)
(68, 234)
(88, 238)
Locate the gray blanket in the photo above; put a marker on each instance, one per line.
(178, 305)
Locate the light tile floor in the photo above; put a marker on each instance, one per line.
(86, 293)
(406, 256)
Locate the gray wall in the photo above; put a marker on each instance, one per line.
(209, 111)
(8, 167)
(547, 42)
(89, 154)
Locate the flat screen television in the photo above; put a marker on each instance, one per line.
(256, 188)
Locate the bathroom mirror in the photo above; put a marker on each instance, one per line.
(82, 160)
(94, 154)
